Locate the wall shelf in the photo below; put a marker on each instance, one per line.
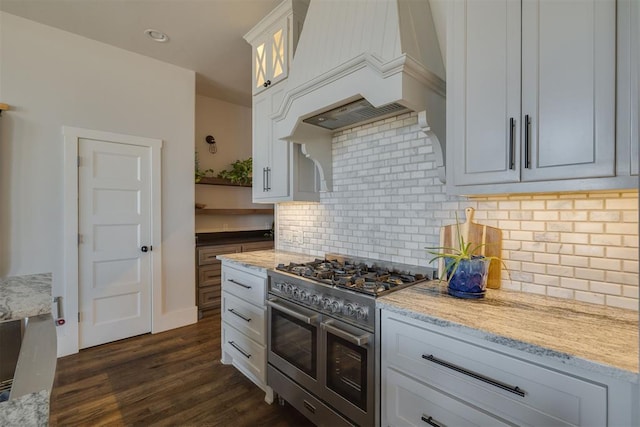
(220, 181)
(249, 211)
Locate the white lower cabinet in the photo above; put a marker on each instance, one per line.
(433, 376)
(244, 323)
(409, 402)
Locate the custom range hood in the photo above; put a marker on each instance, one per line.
(358, 61)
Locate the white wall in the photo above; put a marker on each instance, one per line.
(52, 78)
(230, 125)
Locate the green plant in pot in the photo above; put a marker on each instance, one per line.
(465, 269)
(240, 173)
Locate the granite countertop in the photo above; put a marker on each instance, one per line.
(28, 410)
(265, 260)
(25, 296)
(597, 338)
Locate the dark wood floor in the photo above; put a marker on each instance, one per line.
(174, 378)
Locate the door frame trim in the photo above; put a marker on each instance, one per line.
(68, 334)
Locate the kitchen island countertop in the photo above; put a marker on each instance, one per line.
(592, 337)
(25, 296)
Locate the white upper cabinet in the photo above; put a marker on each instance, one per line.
(531, 102)
(273, 41)
(280, 171)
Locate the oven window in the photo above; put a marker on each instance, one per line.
(347, 370)
(294, 341)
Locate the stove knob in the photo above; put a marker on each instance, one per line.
(295, 293)
(288, 289)
(314, 299)
(326, 303)
(349, 310)
(303, 295)
(360, 313)
(335, 306)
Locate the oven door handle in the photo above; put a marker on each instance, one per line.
(360, 341)
(310, 320)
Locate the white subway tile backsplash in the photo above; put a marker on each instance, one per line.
(605, 216)
(605, 288)
(560, 270)
(571, 283)
(590, 297)
(622, 204)
(605, 263)
(388, 204)
(553, 291)
(622, 302)
(622, 253)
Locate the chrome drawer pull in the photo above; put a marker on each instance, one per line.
(246, 319)
(430, 421)
(244, 353)
(515, 390)
(240, 284)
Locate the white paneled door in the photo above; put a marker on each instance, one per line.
(114, 242)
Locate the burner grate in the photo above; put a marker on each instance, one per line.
(359, 277)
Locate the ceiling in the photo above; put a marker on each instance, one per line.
(204, 35)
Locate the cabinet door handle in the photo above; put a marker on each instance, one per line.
(264, 179)
(239, 284)
(512, 128)
(515, 390)
(527, 145)
(237, 347)
(242, 316)
(268, 179)
(430, 421)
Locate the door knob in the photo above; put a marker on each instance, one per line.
(144, 249)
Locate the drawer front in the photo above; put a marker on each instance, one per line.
(209, 275)
(248, 354)
(257, 246)
(246, 286)
(209, 297)
(550, 397)
(306, 403)
(407, 402)
(247, 318)
(207, 254)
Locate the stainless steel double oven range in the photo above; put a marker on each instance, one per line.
(322, 355)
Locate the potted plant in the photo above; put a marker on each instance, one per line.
(240, 173)
(465, 269)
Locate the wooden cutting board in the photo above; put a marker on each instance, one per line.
(477, 234)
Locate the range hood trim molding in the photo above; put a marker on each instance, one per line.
(402, 64)
(289, 126)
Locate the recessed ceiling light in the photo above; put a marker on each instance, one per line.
(156, 35)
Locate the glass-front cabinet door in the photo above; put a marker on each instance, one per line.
(271, 57)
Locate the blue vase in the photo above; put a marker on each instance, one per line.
(470, 278)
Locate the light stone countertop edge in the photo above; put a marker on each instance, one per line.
(262, 261)
(25, 296)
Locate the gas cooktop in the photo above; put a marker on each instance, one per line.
(354, 275)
